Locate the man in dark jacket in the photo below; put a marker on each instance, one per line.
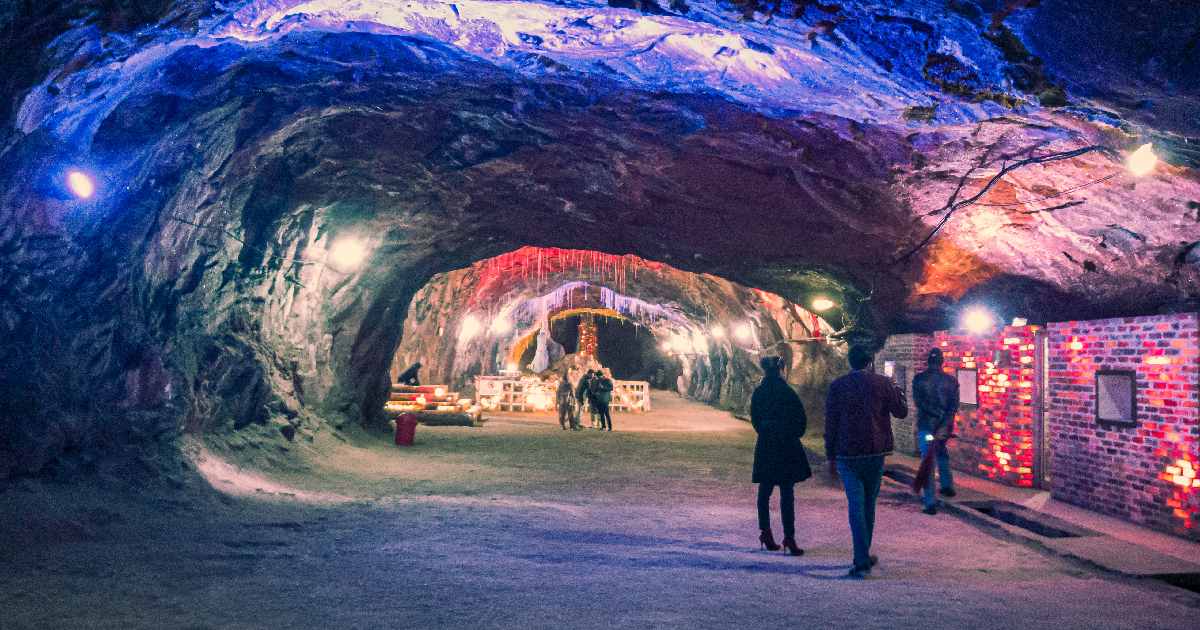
(936, 396)
(779, 458)
(583, 397)
(600, 389)
(858, 435)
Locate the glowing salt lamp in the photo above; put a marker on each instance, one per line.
(1142, 161)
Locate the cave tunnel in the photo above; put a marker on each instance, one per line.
(227, 227)
(266, 188)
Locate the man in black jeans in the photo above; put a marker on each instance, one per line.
(936, 396)
(858, 435)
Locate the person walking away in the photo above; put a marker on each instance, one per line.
(779, 458)
(565, 400)
(601, 389)
(583, 397)
(409, 376)
(936, 396)
(858, 436)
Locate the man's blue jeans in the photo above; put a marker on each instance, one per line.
(925, 441)
(861, 477)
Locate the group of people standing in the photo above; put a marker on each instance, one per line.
(858, 436)
(594, 391)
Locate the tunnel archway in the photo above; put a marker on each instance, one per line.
(687, 327)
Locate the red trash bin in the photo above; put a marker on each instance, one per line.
(406, 429)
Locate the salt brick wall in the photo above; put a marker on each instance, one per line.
(996, 437)
(907, 351)
(1145, 473)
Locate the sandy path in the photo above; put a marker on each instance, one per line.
(519, 524)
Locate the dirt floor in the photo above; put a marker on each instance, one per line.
(520, 524)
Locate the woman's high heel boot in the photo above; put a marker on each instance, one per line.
(790, 545)
(767, 539)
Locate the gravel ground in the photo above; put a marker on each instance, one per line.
(519, 524)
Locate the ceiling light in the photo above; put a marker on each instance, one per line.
(469, 328)
(978, 320)
(1142, 161)
(347, 254)
(81, 184)
(501, 325)
(822, 304)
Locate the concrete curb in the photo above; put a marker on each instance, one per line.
(1085, 548)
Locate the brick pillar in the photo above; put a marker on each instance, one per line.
(906, 355)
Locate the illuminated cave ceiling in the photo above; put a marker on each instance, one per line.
(233, 141)
(818, 143)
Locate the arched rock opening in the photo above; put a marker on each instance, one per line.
(484, 318)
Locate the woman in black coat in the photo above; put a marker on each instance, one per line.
(779, 458)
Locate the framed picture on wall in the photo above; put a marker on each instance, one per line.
(968, 387)
(1116, 397)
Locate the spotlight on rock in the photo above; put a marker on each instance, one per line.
(718, 331)
(822, 304)
(347, 254)
(978, 320)
(743, 331)
(81, 184)
(681, 343)
(1142, 161)
(666, 346)
(501, 325)
(469, 328)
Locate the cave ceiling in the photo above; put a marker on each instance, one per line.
(812, 145)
